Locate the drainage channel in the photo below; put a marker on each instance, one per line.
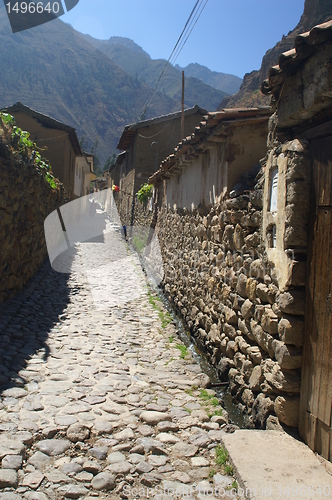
(236, 416)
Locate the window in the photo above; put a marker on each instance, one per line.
(274, 191)
(271, 235)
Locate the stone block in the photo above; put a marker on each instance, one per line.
(269, 321)
(262, 292)
(287, 410)
(220, 258)
(297, 274)
(288, 357)
(238, 302)
(243, 345)
(291, 330)
(255, 354)
(256, 378)
(229, 331)
(238, 237)
(292, 302)
(248, 398)
(273, 424)
(263, 339)
(231, 349)
(244, 328)
(279, 380)
(248, 309)
(252, 240)
(257, 269)
(227, 239)
(239, 359)
(214, 334)
(241, 285)
(262, 408)
(236, 382)
(223, 345)
(230, 316)
(247, 369)
(223, 368)
(259, 310)
(251, 288)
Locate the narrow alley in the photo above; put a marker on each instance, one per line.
(99, 397)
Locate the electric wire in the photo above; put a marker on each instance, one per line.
(197, 4)
(155, 135)
(180, 48)
(190, 27)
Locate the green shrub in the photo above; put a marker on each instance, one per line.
(145, 193)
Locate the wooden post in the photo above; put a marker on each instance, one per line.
(182, 103)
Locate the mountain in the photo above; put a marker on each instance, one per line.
(135, 61)
(220, 81)
(54, 70)
(315, 12)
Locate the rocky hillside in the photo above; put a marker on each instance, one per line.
(136, 62)
(315, 12)
(53, 70)
(221, 81)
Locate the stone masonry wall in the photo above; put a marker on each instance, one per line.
(218, 276)
(25, 201)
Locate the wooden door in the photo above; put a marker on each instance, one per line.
(316, 388)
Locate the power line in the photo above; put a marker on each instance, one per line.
(187, 33)
(180, 48)
(174, 49)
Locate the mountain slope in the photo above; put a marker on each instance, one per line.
(315, 12)
(141, 67)
(220, 81)
(52, 69)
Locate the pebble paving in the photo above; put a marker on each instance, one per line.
(96, 398)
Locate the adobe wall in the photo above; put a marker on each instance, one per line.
(205, 178)
(167, 136)
(25, 202)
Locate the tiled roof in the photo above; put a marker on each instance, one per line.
(213, 129)
(305, 44)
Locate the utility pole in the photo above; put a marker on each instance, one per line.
(182, 104)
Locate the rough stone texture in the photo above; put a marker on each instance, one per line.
(287, 410)
(23, 246)
(80, 368)
(78, 432)
(8, 478)
(53, 447)
(291, 302)
(291, 330)
(227, 293)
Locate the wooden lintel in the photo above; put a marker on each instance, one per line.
(218, 139)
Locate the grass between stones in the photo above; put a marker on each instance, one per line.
(183, 349)
(222, 459)
(210, 402)
(165, 317)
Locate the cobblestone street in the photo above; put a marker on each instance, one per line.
(99, 398)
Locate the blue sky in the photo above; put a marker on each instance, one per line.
(231, 36)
